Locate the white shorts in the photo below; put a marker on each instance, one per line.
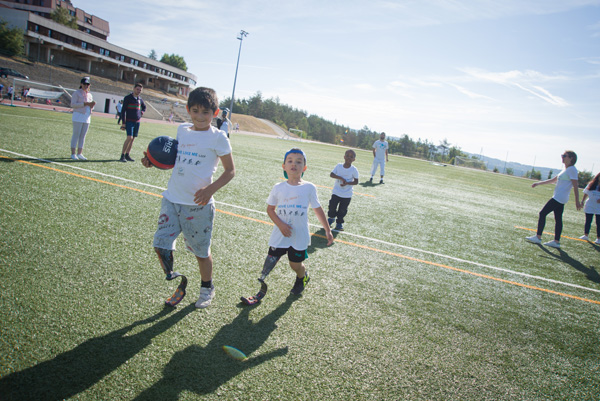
(195, 222)
(381, 164)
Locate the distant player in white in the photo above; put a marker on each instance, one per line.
(346, 176)
(380, 157)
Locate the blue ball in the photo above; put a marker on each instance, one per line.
(162, 152)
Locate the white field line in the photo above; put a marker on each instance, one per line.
(481, 265)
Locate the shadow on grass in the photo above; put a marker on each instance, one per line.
(55, 160)
(74, 371)
(368, 184)
(563, 256)
(319, 240)
(202, 370)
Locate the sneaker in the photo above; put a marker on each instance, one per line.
(381, 181)
(74, 157)
(330, 221)
(597, 241)
(552, 244)
(534, 239)
(584, 237)
(123, 159)
(129, 159)
(339, 227)
(300, 284)
(371, 180)
(81, 157)
(206, 296)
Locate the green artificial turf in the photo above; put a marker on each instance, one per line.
(431, 293)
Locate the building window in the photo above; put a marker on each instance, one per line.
(49, 33)
(122, 58)
(84, 45)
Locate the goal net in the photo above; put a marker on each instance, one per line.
(37, 92)
(469, 163)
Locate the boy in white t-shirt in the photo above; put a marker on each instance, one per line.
(188, 204)
(288, 205)
(565, 180)
(346, 176)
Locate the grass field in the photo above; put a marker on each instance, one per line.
(431, 293)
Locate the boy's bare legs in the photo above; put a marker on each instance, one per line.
(207, 291)
(301, 277)
(127, 145)
(206, 267)
(299, 268)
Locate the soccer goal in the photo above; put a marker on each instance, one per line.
(37, 92)
(469, 163)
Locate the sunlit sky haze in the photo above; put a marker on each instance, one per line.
(515, 80)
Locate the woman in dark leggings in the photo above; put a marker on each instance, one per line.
(566, 179)
(592, 207)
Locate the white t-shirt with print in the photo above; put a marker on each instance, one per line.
(292, 205)
(591, 205)
(564, 184)
(198, 155)
(349, 174)
(380, 148)
(81, 113)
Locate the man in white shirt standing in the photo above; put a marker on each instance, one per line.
(380, 156)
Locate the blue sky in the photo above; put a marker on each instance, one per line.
(510, 79)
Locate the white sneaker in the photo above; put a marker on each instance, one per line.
(534, 239)
(206, 296)
(81, 157)
(74, 157)
(552, 244)
(597, 241)
(584, 237)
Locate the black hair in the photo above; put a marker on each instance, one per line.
(205, 97)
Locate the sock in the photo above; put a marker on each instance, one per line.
(206, 284)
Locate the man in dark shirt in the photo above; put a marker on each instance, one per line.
(131, 114)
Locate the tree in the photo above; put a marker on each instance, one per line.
(510, 171)
(584, 177)
(153, 55)
(11, 40)
(549, 174)
(62, 16)
(174, 60)
(255, 105)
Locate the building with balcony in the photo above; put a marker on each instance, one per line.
(86, 48)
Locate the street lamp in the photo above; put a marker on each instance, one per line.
(243, 34)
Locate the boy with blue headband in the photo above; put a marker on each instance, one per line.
(288, 205)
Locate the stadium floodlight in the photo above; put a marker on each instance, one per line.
(243, 34)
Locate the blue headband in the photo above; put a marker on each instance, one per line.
(293, 150)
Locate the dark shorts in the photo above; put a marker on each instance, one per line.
(132, 128)
(293, 254)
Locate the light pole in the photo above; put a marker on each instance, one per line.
(243, 34)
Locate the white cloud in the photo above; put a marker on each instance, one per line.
(470, 94)
(527, 81)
